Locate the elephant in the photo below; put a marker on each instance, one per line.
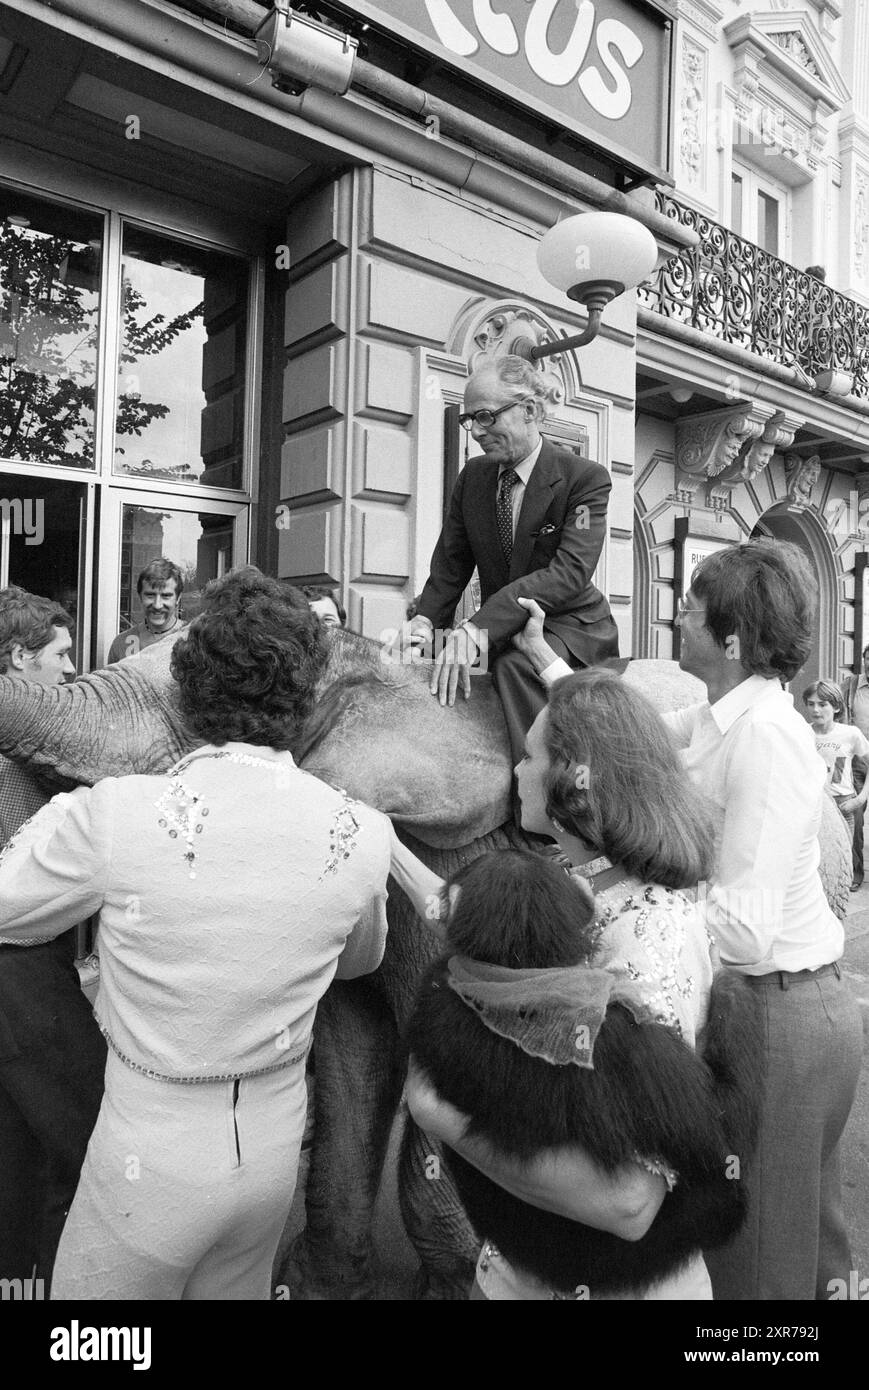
(444, 776)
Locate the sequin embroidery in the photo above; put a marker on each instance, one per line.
(181, 812)
(342, 836)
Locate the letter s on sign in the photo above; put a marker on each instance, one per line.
(612, 34)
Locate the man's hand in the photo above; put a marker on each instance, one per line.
(530, 641)
(415, 634)
(453, 665)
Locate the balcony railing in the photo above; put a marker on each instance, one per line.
(739, 293)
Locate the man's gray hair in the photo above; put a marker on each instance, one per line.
(519, 372)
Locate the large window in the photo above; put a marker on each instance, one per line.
(49, 318)
(127, 406)
(180, 405)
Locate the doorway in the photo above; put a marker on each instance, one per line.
(784, 524)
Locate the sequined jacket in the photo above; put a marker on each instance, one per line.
(230, 893)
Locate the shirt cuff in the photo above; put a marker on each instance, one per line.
(474, 633)
(554, 672)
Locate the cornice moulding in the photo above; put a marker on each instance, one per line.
(753, 38)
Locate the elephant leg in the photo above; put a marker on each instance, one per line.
(358, 1079)
(435, 1219)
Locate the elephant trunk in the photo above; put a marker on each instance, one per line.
(108, 724)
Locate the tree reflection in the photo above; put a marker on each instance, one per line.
(49, 318)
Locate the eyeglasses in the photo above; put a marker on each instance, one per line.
(485, 418)
(682, 609)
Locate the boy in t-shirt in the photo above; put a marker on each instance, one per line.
(837, 744)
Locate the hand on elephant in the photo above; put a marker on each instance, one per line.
(530, 640)
(453, 665)
(415, 635)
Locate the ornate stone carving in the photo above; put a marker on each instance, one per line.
(754, 458)
(707, 445)
(793, 45)
(692, 136)
(513, 331)
(802, 475)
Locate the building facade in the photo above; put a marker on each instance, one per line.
(753, 347)
(239, 304)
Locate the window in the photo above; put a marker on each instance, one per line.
(127, 405)
(49, 315)
(759, 210)
(180, 410)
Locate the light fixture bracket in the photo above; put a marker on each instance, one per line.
(595, 295)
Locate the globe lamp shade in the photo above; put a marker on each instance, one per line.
(593, 257)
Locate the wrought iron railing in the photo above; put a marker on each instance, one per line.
(739, 293)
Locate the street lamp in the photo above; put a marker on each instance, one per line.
(593, 257)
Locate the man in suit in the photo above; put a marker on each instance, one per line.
(532, 518)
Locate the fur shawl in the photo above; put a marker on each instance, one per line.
(649, 1094)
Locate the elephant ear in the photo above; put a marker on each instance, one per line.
(110, 723)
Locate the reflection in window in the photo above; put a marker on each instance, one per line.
(199, 543)
(181, 370)
(49, 305)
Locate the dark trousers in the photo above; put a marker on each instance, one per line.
(857, 846)
(52, 1060)
(521, 694)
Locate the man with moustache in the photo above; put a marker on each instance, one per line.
(159, 588)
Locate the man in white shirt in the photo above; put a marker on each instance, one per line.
(745, 625)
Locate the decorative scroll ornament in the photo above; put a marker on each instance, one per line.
(802, 475)
(707, 445)
(511, 331)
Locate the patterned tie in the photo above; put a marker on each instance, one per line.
(504, 511)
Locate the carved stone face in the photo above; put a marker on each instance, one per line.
(757, 458)
(729, 446)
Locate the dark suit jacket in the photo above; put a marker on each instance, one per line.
(559, 536)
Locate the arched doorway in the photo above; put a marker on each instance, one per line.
(783, 523)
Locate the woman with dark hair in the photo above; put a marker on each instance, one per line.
(231, 890)
(602, 776)
(541, 1049)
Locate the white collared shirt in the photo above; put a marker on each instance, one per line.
(524, 470)
(755, 761)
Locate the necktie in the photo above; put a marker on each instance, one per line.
(504, 511)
